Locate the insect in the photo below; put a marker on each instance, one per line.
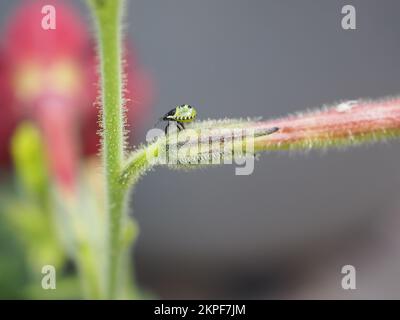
(181, 114)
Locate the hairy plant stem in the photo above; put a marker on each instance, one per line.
(107, 14)
(344, 124)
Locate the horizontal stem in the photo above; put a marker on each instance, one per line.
(344, 124)
(341, 125)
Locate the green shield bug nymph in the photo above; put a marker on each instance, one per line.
(181, 114)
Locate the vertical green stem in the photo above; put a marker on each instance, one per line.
(107, 14)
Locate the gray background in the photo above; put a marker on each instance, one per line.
(286, 230)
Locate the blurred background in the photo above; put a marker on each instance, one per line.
(286, 230)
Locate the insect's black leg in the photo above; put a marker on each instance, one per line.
(180, 126)
(166, 128)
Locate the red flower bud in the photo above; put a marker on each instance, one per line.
(50, 77)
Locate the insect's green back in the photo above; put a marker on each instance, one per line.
(182, 113)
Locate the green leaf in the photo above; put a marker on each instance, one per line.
(29, 160)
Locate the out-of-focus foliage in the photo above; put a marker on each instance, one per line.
(29, 161)
(51, 196)
(13, 268)
(28, 234)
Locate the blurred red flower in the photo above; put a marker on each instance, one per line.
(50, 77)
